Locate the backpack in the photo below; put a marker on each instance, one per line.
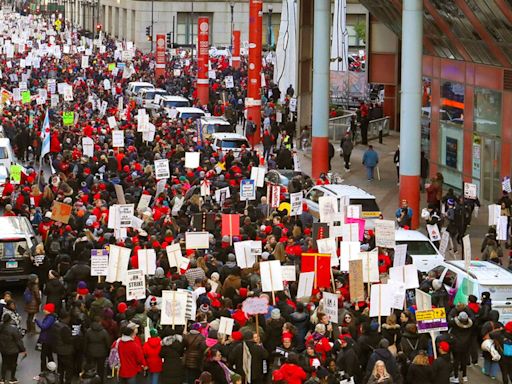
(27, 296)
(507, 347)
(114, 361)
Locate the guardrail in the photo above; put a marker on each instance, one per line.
(338, 126)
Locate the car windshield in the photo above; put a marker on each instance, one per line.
(137, 88)
(218, 128)
(176, 103)
(369, 205)
(3, 153)
(233, 143)
(191, 115)
(419, 247)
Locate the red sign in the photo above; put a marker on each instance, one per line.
(236, 50)
(203, 47)
(160, 56)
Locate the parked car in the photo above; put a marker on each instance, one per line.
(215, 124)
(229, 141)
(189, 113)
(482, 276)
(289, 180)
(148, 97)
(169, 104)
(135, 86)
(423, 252)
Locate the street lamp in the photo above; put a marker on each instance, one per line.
(269, 39)
(232, 6)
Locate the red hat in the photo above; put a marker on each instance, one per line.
(122, 307)
(236, 335)
(50, 308)
(444, 346)
(286, 335)
(243, 292)
(508, 327)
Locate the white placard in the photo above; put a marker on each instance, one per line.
(385, 233)
(296, 200)
(380, 300)
(370, 266)
(331, 306)
(328, 246)
(505, 184)
(117, 263)
(88, 146)
(144, 202)
(470, 191)
(502, 228)
(205, 188)
(433, 232)
(174, 256)
(328, 209)
(244, 256)
(229, 82)
(192, 160)
(226, 326)
(174, 308)
(222, 194)
(247, 190)
(494, 214)
(135, 284)
(117, 138)
(258, 175)
(423, 300)
(466, 245)
(354, 211)
(99, 262)
(197, 240)
(397, 290)
(271, 276)
(407, 274)
(112, 123)
(162, 170)
(288, 272)
(120, 216)
(349, 250)
(400, 255)
(350, 232)
(445, 240)
(147, 261)
(85, 62)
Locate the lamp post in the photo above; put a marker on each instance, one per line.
(269, 39)
(152, 24)
(232, 6)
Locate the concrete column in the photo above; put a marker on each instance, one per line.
(321, 54)
(410, 109)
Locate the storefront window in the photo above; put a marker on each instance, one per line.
(425, 117)
(487, 112)
(452, 136)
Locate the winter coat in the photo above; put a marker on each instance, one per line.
(215, 369)
(348, 361)
(62, 339)
(370, 158)
(151, 350)
(420, 374)
(258, 354)
(442, 368)
(391, 333)
(47, 377)
(90, 377)
(366, 344)
(463, 334)
(292, 374)
(412, 343)
(173, 371)
(301, 322)
(346, 146)
(387, 358)
(33, 306)
(274, 330)
(45, 337)
(97, 341)
(55, 292)
(195, 345)
(374, 380)
(11, 340)
(131, 357)
(231, 281)
(98, 306)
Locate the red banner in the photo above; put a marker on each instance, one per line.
(160, 56)
(235, 56)
(203, 47)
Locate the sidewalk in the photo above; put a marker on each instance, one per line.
(386, 190)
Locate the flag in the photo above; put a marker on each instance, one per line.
(320, 264)
(45, 135)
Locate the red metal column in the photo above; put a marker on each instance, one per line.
(203, 46)
(235, 58)
(160, 56)
(253, 101)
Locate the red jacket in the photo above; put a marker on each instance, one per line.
(132, 358)
(292, 374)
(152, 354)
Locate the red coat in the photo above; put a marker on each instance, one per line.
(292, 374)
(152, 354)
(322, 346)
(132, 358)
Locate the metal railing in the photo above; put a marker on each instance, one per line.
(338, 126)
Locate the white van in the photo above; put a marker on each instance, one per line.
(483, 276)
(135, 86)
(229, 142)
(6, 153)
(189, 113)
(215, 124)
(370, 210)
(148, 97)
(423, 252)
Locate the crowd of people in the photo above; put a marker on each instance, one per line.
(86, 328)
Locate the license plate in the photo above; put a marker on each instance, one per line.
(11, 264)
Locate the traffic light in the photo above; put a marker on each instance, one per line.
(148, 33)
(169, 40)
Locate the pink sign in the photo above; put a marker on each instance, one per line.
(359, 222)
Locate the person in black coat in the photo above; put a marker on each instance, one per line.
(368, 342)
(462, 332)
(11, 344)
(63, 346)
(216, 367)
(382, 353)
(348, 359)
(442, 366)
(419, 371)
(173, 371)
(90, 376)
(258, 354)
(97, 346)
(54, 290)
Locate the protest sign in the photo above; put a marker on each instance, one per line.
(433, 320)
(423, 300)
(144, 202)
(505, 184)
(229, 82)
(329, 246)
(494, 214)
(61, 212)
(119, 193)
(25, 97)
(380, 300)
(112, 123)
(466, 247)
(370, 266)
(400, 255)
(174, 305)
(360, 223)
(222, 194)
(296, 200)
(121, 216)
(255, 306)
(230, 225)
(502, 228)
(258, 175)
(397, 291)
(117, 138)
(271, 276)
(162, 170)
(328, 209)
(197, 240)
(135, 284)
(68, 118)
(147, 261)
(305, 288)
(15, 173)
(350, 232)
(244, 258)
(433, 232)
(205, 188)
(256, 248)
(443, 246)
(226, 326)
(320, 264)
(247, 190)
(117, 263)
(407, 274)
(87, 146)
(385, 233)
(331, 306)
(354, 211)
(288, 272)
(349, 250)
(192, 160)
(355, 276)
(99, 262)
(175, 256)
(470, 191)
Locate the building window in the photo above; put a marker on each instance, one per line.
(487, 112)
(186, 27)
(425, 117)
(275, 23)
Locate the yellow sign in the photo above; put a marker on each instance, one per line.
(369, 214)
(434, 314)
(58, 24)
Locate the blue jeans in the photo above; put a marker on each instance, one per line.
(369, 172)
(491, 368)
(153, 378)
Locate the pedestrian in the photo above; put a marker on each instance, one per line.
(346, 146)
(152, 348)
(404, 215)
(195, 345)
(173, 370)
(131, 356)
(503, 341)
(420, 371)
(379, 374)
(32, 299)
(97, 346)
(49, 375)
(462, 333)
(396, 160)
(11, 345)
(62, 343)
(331, 152)
(442, 366)
(45, 339)
(370, 161)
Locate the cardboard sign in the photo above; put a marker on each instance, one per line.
(355, 277)
(255, 306)
(117, 139)
(117, 263)
(470, 191)
(331, 306)
(288, 272)
(99, 262)
(147, 261)
(385, 233)
(174, 305)
(407, 274)
(61, 212)
(271, 276)
(431, 321)
(197, 240)
(305, 288)
(135, 284)
(192, 160)
(226, 326)
(162, 170)
(296, 200)
(247, 190)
